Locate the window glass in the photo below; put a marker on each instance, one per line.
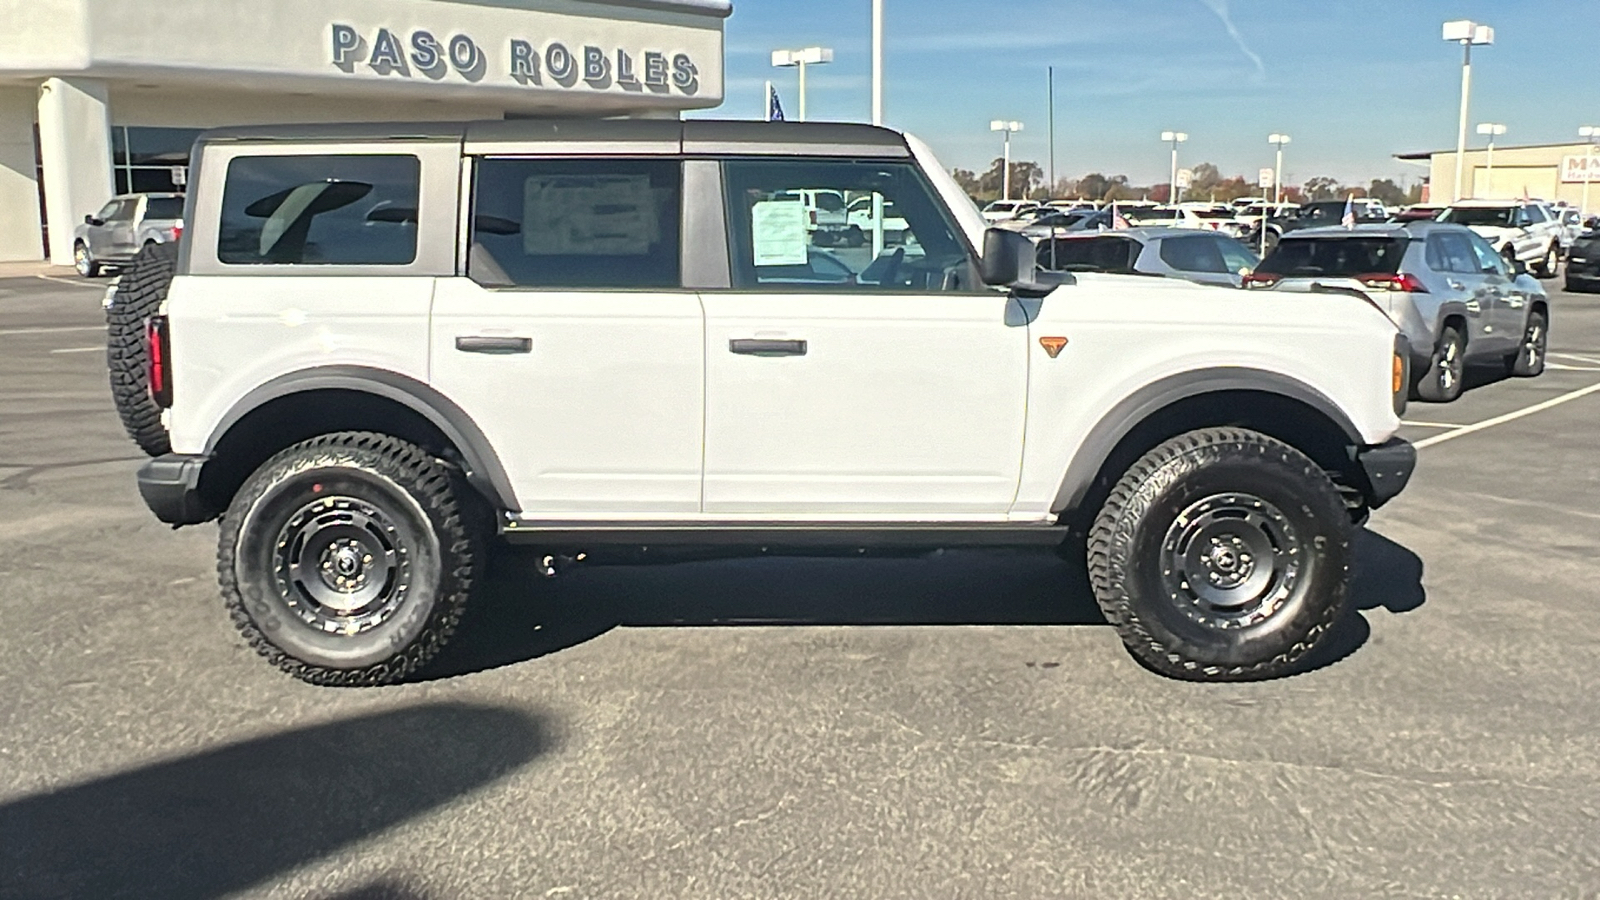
(1456, 254)
(1536, 215)
(320, 210)
(1102, 253)
(109, 211)
(590, 223)
(1235, 255)
(1499, 216)
(1489, 261)
(1193, 254)
(160, 146)
(164, 208)
(783, 236)
(1339, 256)
(122, 210)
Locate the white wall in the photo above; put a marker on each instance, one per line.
(19, 197)
(75, 145)
(170, 108)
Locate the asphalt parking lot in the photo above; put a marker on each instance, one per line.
(962, 726)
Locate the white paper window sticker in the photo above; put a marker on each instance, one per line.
(591, 215)
(778, 231)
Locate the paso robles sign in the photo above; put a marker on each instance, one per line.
(553, 63)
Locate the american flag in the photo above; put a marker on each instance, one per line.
(774, 108)
(1349, 219)
(1119, 222)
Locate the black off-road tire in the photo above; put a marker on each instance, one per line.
(1195, 491)
(307, 505)
(1528, 361)
(1546, 267)
(1446, 374)
(139, 295)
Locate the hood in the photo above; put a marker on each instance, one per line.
(1492, 232)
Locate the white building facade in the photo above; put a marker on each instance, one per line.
(100, 97)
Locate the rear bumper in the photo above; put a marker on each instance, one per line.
(1388, 467)
(170, 486)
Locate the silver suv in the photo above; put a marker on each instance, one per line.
(1456, 298)
(123, 227)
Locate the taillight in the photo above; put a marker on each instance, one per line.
(1261, 279)
(1384, 281)
(177, 231)
(160, 344)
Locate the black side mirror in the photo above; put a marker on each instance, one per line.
(1008, 257)
(92, 220)
(1518, 267)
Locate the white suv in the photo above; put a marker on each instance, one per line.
(381, 346)
(1523, 231)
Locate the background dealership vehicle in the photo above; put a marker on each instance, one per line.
(123, 227)
(1317, 214)
(1198, 218)
(1001, 210)
(862, 221)
(1203, 257)
(1455, 298)
(384, 345)
(1521, 230)
(1583, 262)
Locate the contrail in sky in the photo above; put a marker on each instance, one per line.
(1220, 7)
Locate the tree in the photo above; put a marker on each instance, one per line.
(968, 180)
(1205, 179)
(1093, 186)
(1323, 188)
(1387, 191)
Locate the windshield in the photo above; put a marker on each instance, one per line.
(1001, 206)
(1498, 216)
(1335, 256)
(164, 208)
(1150, 214)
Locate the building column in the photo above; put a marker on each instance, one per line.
(75, 144)
(19, 187)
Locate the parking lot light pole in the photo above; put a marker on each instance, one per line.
(1592, 132)
(1277, 172)
(1466, 33)
(1005, 174)
(1174, 138)
(799, 59)
(1493, 130)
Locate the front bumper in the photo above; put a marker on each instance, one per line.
(1388, 467)
(170, 486)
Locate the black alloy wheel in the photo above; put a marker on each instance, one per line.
(1528, 361)
(1446, 376)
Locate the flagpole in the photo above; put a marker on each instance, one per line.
(767, 105)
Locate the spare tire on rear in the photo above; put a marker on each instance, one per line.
(138, 296)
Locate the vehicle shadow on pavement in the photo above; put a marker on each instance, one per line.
(1385, 575)
(223, 820)
(520, 614)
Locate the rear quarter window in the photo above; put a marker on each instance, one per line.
(1334, 256)
(349, 210)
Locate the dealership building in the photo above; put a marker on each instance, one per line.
(1554, 172)
(100, 97)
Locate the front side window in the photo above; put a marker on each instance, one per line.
(334, 210)
(787, 233)
(1193, 254)
(577, 223)
(1489, 261)
(1236, 256)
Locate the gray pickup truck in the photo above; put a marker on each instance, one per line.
(112, 237)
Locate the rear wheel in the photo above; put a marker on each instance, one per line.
(347, 559)
(1269, 241)
(1222, 555)
(1443, 381)
(1528, 362)
(139, 294)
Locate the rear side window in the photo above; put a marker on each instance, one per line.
(1452, 253)
(1106, 253)
(1193, 254)
(1334, 256)
(164, 208)
(589, 223)
(334, 210)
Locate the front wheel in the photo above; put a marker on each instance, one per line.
(1446, 375)
(83, 261)
(347, 559)
(1546, 267)
(1528, 361)
(1222, 555)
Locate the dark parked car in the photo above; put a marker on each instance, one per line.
(1583, 260)
(1318, 214)
(113, 236)
(1200, 256)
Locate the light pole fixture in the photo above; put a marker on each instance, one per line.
(1467, 33)
(1277, 173)
(1005, 177)
(1174, 138)
(1592, 132)
(1493, 130)
(806, 56)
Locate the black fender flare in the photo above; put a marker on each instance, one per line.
(1138, 406)
(483, 468)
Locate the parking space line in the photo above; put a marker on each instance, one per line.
(1508, 417)
(76, 284)
(4, 332)
(1566, 368)
(1430, 424)
(1587, 359)
(78, 349)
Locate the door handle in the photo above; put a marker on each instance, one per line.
(1456, 285)
(1515, 301)
(482, 343)
(766, 347)
(1474, 307)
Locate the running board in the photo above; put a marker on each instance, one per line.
(587, 535)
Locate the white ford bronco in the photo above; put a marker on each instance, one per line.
(379, 347)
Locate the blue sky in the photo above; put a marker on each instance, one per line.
(1351, 81)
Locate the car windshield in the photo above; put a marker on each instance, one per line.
(1334, 256)
(164, 208)
(1499, 216)
(1001, 206)
(1150, 214)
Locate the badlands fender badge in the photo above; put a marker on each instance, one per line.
(1053, 345)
